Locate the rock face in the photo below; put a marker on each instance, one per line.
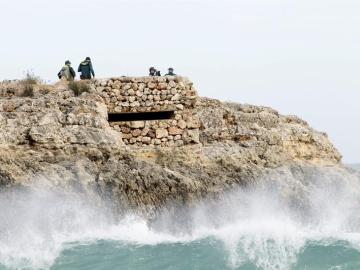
(60, 140)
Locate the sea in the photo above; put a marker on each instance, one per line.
(243, 230)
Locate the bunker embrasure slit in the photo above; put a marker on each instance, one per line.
(140, 116)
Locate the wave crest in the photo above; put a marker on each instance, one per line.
(268, 225)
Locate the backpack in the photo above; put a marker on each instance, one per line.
(60, 74)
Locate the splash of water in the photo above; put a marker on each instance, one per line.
(267, 225)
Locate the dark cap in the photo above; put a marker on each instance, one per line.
(67, 62)
(88, 58)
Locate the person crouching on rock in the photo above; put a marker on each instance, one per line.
(86, 69)
(153, 72)
(170, 72)
(67, 73)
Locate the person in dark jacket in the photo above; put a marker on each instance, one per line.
(67, 73)
(170, 72)
(86, 69)
(153, 72)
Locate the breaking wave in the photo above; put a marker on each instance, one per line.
(263, 227)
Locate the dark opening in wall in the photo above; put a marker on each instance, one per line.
(140, 116)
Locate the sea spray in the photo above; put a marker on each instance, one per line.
(265, 226)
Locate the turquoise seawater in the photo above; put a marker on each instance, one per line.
(206, 254)
(257, 229)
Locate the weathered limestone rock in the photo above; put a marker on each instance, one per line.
(137, 124)
(193, 123)
(8, 106)
(176, 97)
(175, 131)
(192, 135)
(161, 133)
(136, 132)
(207, 146)
(146, 140)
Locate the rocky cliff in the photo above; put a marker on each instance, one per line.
(57, 139)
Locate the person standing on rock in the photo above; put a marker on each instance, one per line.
(86, 69)
(170, 72)
(67, 73)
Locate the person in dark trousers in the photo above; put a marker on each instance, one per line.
(67, 73)
(170, 72)
(86, 69)
(153, 72)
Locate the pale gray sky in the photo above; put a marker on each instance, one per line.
(298, 56)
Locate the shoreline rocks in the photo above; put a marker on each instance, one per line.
(207, 148)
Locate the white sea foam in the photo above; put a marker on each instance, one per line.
(261, 225)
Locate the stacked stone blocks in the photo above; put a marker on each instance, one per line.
(153, 94)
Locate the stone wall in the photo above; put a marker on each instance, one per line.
(153, 94)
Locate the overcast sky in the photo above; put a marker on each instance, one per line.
(300, 57)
